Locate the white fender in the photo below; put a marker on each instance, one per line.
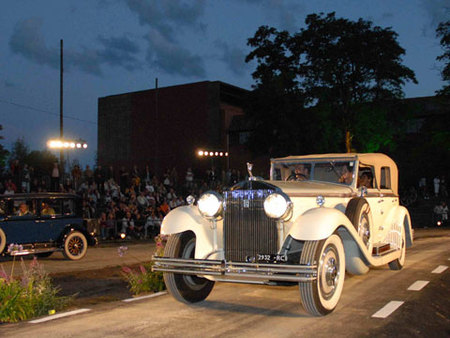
(400, 216)
(319, 223)
(188, 218)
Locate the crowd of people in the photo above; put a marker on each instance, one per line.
(130, 203)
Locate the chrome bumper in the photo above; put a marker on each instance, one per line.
(245, 272)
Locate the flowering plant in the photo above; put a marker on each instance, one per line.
(144, 279)
(28, 296)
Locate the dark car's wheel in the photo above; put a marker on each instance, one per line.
(75, 246)
(2, 240)
(43, 254)
(185, 288)
(399, 262)
(358, 212)
(320, 297)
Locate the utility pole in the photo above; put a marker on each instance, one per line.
(61, 126)
(156, 129)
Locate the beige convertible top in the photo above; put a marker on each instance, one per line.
(377, 160)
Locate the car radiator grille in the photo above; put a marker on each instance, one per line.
(247, 229)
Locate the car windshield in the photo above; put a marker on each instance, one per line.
(334, 171)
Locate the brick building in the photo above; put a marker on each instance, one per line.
(165, 127)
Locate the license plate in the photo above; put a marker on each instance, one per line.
(271, 258)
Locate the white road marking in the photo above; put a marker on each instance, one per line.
(59, 315)
(419, 285)
(145, 297)
(386, 310)
(440, 269)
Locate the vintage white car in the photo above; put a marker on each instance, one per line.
(316, 218)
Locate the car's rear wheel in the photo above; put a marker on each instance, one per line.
(75, 246)
(358, 212)
(2, 240)
(398, 263)
(185, 288)
(320, 296)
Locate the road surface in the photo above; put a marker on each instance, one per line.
(239, 310)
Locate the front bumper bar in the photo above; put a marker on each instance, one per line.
(223, 270)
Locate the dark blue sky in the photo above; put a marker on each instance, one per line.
(117, 46)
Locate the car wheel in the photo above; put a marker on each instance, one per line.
(185, 288)
(2, 240)
(321, 296)
(398, 263)
(75, 246)
(358, 212)
(43, 254)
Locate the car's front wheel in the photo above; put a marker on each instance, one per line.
(320, 296)
(185, 288)
(75, 246)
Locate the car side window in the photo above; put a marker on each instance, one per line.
(51, 208)
(385, 180)
(365, 177)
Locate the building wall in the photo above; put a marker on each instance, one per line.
(164, 128)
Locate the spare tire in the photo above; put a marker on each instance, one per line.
(358, 212)
(2, 240)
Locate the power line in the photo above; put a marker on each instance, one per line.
(45, 111)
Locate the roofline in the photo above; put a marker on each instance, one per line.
(179, 85)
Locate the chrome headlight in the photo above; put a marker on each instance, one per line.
(277, 206)
(210, 204)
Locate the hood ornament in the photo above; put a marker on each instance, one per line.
(250, 174)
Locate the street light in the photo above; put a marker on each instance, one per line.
(212, 153)
(66, 144)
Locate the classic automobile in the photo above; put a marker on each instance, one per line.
(317, 217)
(42, 223)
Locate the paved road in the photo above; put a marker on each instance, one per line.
(96, 258)
(250, 310)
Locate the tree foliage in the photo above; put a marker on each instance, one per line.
(341, 73)
(443, 32)
(3, 153)
(41, 160)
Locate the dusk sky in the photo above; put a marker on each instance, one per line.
(119, 46)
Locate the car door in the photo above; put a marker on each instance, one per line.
(382, 201)
(51, 219)
(20, 229)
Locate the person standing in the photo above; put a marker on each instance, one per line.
(55, 177)
(436, 182)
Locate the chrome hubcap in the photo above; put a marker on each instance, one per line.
(329, 272)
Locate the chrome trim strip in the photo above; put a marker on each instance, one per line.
(226, 270)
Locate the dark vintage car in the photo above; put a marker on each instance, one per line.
(42, 223)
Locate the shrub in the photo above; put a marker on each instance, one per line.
(29, 296)
(144, 279)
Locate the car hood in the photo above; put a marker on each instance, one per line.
(312, 188)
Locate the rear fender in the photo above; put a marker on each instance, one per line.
(188, 218)
(400, 216)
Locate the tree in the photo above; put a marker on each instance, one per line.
(340, 68)
(3, 153)
(19, 150)
(42, 161)
(443, 32)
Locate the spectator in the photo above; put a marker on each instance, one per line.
(89, 175)
(26, 178)
(55, 177)
(436, 182)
